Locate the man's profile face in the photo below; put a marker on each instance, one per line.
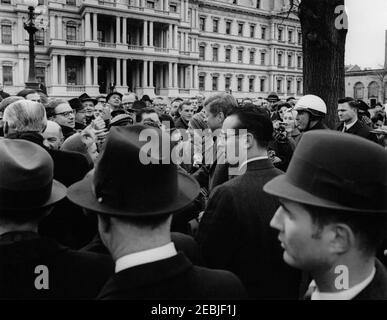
(195, 104)
(115, 100)
(212, 120)
(64, 115)
(297, 235)
(230, 141)
(53, 136)
(302, 120)
(187, 112)
(345, 112)
(89, 108)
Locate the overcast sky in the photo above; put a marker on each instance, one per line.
(366, 33)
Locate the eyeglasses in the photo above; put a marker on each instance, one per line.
(65, 114)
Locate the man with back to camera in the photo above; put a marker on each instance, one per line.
(134, 209)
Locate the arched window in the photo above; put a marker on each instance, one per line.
(358, 91)
(373, 90)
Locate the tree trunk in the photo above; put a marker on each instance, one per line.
(323, 52)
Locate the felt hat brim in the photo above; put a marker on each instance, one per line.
(82, 194)
(283, 188)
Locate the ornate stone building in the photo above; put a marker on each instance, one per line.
(155, 47)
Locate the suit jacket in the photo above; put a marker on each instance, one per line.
(377, 289)
(181, 124)
(234, 234)
(211, 176)
(172, 278)
(360, 129)
(71, 274)
(183, 243)
(66, 224)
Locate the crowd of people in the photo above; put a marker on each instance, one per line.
(273, 220)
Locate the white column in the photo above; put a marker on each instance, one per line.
(190, 74)
(182, 15)
(166, 5)
(21, 71)
(170, 36)
(186, 10)
(95, 28)
(176, 37)
(151, 74)
(138, 73)
(170, 75)
(87, 26)
(145, 75)
(95, 71)
(63, 70)
(186, 42)
(145, 34)
(124, 31)
(124, 74)
(88, 71)
(151, 34)
(54, 69)
(196, 77)
(161, 5)
(175, 82)
(118, 72)
(118, 30)
(60, 28)
(52, 27)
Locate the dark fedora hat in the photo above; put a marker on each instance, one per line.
(76, 104)
(337, 171)
(85, 97)
(26, 176)
(121, 185)
(145, 98)
(113, 93)
(273, 97)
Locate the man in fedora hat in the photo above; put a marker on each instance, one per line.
(333, 212)
(32, 266)
(134, 209)
(89, 105)
(114, 100)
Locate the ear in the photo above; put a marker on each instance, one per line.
(220, 116)
(250, 141)
(341, 238)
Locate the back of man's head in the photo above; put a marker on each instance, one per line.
(25, 116)
(221, 102)
(256, 122)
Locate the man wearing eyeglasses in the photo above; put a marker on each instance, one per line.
(61, 112)
(234, 233)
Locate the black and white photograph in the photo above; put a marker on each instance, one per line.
(193, 155)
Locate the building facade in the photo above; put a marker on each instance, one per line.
(155, 47)
(369, 85)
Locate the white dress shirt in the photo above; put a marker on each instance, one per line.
(147, 256)
(251, 160)
(348, 294)
(346, 127)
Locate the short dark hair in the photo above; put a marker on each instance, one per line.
(140, 112)
(351, 102)
(255, 121)
(149, 222)
(23, 216)
(221, 102)
(184, 103)
(368, 228)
